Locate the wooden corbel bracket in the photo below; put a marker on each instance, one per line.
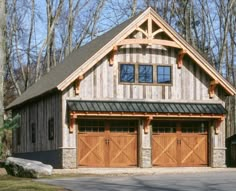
(212, 88)
(77, 84)
(180, 57)
(147, 123)
(112, 55)
(218, 124)
(73, 118)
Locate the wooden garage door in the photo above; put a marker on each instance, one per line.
(179, 144)
(107, 144)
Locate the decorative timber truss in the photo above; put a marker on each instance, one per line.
(148, 33)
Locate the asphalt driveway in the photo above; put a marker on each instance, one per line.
(217, 181)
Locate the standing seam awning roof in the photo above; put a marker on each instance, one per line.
(145, 107)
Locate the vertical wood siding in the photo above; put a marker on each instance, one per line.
(190, 83)
(39, 112)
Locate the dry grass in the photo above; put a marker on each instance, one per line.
(10, 183)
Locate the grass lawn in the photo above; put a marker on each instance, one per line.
(10, 183)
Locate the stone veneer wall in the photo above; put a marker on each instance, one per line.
(218, 158)
(69, 158)
(145, 150)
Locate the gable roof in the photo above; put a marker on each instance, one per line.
(82, 59)
(76, 58)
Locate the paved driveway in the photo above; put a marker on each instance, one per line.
(217, 181)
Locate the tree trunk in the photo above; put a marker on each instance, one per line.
(2, 57)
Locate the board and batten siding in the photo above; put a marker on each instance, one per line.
(190, 83)
(101, 82)
(39, 112)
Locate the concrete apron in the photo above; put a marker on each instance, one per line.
(139, 171)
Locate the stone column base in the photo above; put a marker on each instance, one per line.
(145, 158)
(69, 158)
(218, 158)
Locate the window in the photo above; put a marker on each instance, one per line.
(33, 133)
(18, 135)
(91, 126)
(194, 127)
(18, 129)
(145, 73)
(164, 74)
(127, 73)
(123, 126)
(163, 127)
(51, 129)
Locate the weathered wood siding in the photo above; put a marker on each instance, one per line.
(39, 112)
(190, 83)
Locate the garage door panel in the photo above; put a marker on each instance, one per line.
(123, 150)
(194, 150)
(164, 150)
(91, 150)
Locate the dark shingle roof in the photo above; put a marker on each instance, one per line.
(77, 58)
(145, 107)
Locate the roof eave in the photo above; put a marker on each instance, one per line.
(13, 105)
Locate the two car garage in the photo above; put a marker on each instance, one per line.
(115, 143)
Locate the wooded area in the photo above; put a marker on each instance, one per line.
(38, 35)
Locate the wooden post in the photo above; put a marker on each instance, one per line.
(73, 118)
(77, 84)
(112, 55)
(212, 88)
(180, 58)
(147, 123)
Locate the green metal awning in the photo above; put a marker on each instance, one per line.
(145, 107)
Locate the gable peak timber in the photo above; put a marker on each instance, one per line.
(148, 33)
(153, 30)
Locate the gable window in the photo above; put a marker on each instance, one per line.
(51, 129)
(145, 73)
(33, 133)
(164, 74)
(127, 73)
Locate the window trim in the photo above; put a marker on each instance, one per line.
(154, 76)
(171, 74)
(138, 66)
(133, 64)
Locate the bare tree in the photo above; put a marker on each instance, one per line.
(49, 39)
(2, 57)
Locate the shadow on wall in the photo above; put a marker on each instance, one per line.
(231, 151)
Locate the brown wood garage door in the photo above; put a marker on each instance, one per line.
(179, 143)
(107, 143)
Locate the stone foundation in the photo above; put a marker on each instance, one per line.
(145, 158)
(218, 158)
(69, 158)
